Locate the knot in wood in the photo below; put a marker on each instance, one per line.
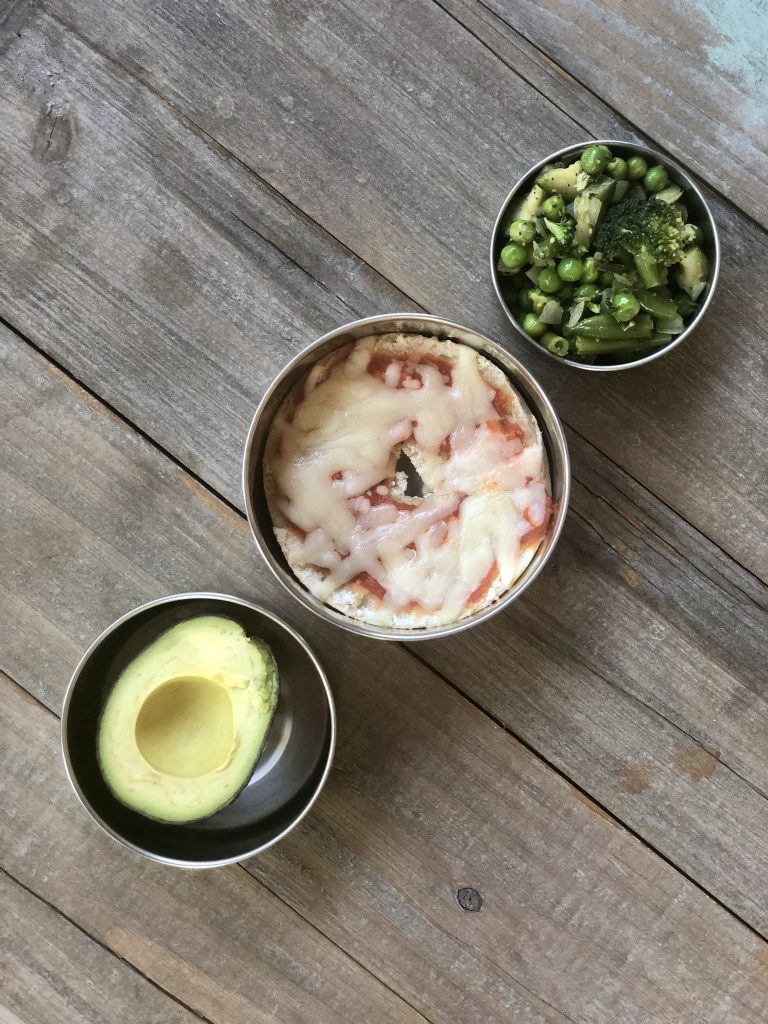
(469, 899)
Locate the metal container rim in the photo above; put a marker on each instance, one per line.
(690, 183)
(553, 432)
(104, 635)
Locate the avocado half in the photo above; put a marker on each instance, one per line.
(185, 723)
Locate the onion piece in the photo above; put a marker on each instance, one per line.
(552, 313)
(575, 314)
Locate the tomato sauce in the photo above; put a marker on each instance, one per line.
(385, 499)
(377, 367)
(485, 584)
(505, 427)
(370, 584)
(536, 534)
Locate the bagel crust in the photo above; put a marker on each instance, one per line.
(348, 523)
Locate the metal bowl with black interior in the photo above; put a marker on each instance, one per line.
(288, 776)
(699, 213)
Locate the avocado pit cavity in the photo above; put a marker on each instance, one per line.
(185, 728)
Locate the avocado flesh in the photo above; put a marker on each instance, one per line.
(186, 721)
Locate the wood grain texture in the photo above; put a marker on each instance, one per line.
(346, 111)
(54, 974)
(641, 674)
(181, 306)
(194, 385)
(218, 940)
(428, 794)
(691, 76)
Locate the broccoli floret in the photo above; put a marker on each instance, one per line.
(557, 241)
(561, 231)
(653, 232)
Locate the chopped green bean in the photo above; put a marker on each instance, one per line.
(585, 346)
(555, 343)
(605, 326)
(656, 304)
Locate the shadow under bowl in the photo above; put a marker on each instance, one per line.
(699, 213)
(287, 778)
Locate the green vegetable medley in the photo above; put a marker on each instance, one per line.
(602, 264)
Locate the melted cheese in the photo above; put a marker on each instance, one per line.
(340, 444)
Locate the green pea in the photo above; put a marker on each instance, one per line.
(617, 168)
(608, 154)
(656, 178)
(605, 279)
(636, 167)
(553, 208)
(566, 293)
(594, 160)
(586, 292)
(524, 299)
(533, 326)
(522, 231)
(624, 306)
(589, 272)
(514, 256)
(570, 269)
(549, 281)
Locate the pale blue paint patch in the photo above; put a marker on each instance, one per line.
(743, 52)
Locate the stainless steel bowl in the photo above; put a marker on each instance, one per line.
(288, 776)
(698, 213)
(407, 323)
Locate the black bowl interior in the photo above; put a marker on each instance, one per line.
(286, 776)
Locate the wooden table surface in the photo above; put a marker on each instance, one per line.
(191, 192)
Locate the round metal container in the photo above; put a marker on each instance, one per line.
(406, 323)
(288, 775)
(698, 213)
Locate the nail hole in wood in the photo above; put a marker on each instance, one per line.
(469, 899)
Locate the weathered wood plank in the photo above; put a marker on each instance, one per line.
(217, 940)
(54, 974)
(690, 75)
(161, 323)
(428, 794)
(391, 126)
(200, 412)
(642, 676)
